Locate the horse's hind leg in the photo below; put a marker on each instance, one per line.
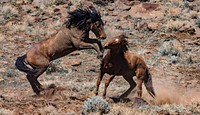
(37, 83)
(107, 84)
(132, 84)
(32, 78)
(140, 78)
(32, 82)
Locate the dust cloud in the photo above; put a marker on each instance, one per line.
(168, 92)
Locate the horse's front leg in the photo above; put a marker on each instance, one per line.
(85, 45)
(99, 79)
(97, 42)
(107, 84)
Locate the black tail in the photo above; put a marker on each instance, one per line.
(149, 84)
(20, 64)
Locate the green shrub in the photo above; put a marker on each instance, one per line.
(95, 104)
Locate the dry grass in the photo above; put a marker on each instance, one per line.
(174, 25)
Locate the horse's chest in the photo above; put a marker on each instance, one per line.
(118, 68)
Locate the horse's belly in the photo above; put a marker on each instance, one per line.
(119, 72)
(61, 54)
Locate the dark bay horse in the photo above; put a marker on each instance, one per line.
(73, 35)
(119, 61)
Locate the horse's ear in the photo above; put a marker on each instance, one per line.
(122, 36)
(68, 24)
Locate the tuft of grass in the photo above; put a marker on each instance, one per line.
(168, 50)
(95, 104)
(174, 12)
(10, 73)
(55, 67)
(173, 59)
(174, 25)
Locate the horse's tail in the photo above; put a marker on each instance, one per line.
(22, 66)
(149, 84)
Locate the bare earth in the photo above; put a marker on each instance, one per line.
(166, 33)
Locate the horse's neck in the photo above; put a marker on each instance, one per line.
(77, 33)
(115, 55)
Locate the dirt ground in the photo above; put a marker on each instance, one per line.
(166, 33)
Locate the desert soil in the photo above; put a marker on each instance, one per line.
(166, 33)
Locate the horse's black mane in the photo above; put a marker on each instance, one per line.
(125, 46)
(124, 42)
(78, 17)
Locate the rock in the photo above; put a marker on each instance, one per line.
(44, 3)
(150, 6)
(181, 36)
(140, 102)
(110, 8)
(123, 6)
(146, 11)
(153, 25)
(2, 37)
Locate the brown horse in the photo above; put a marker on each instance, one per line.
(73, 35)
(119, 61)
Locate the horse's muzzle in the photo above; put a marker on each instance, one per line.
(103, 36)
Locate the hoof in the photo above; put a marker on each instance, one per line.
(52, 86)
(115, 99)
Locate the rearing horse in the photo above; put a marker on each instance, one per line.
(73, 35)
(120, 61)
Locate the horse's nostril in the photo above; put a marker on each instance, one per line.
(103, 37)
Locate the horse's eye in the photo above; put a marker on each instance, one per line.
(97, 24)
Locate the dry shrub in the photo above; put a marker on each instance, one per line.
(120, 109)
(95, 104)
(174, 25)
(174, 12)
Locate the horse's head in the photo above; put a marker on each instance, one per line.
(96, 23)
(97, 28)
(87, 18)
(117, 43)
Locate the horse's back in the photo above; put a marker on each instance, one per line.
(135, 60)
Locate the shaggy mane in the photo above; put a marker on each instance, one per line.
(78, 17)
